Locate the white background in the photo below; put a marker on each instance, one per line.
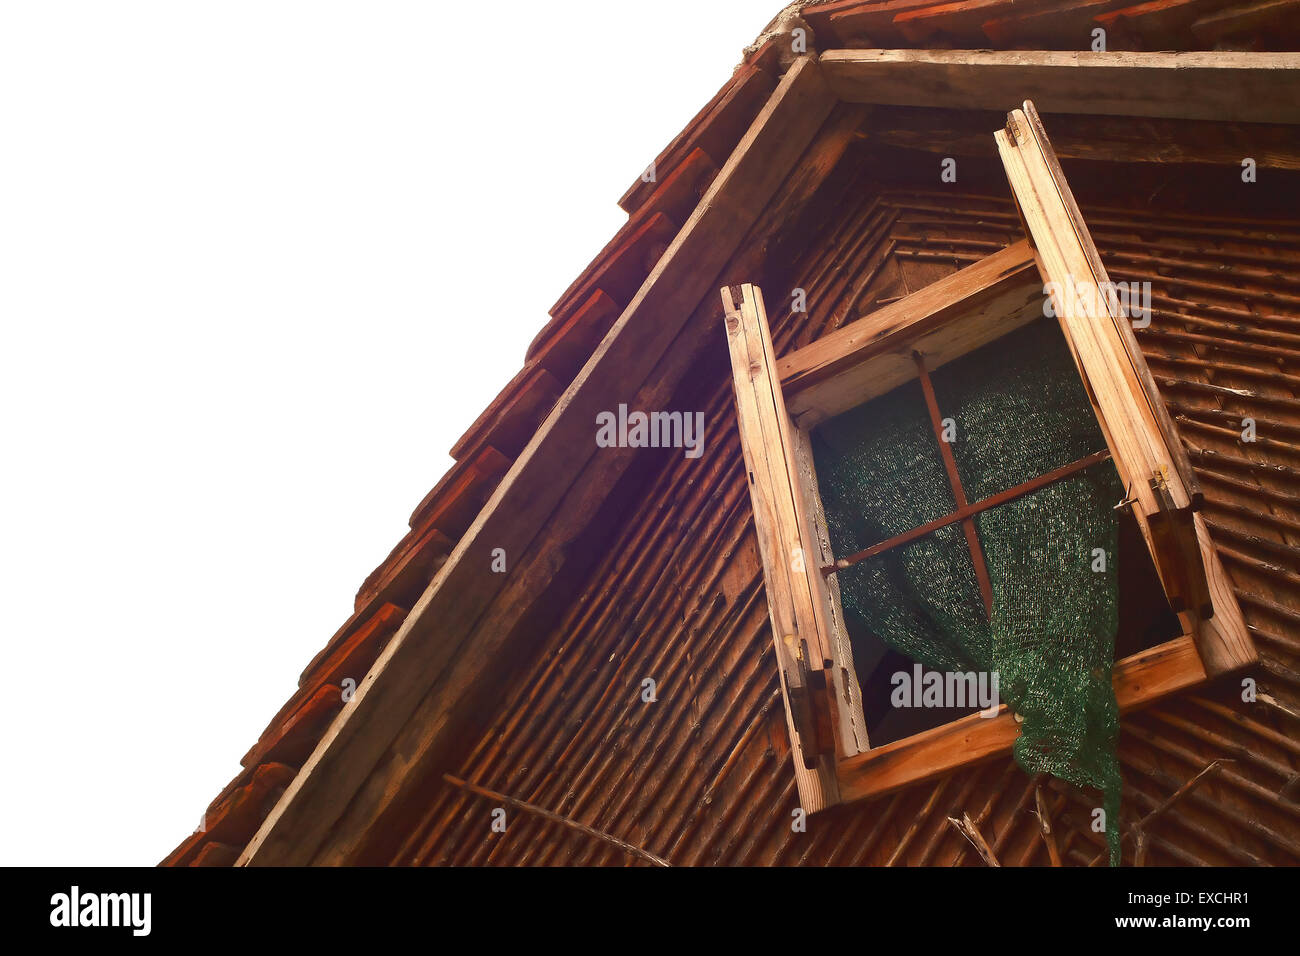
(261, 263)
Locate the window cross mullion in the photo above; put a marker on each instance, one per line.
(958, 493)
(969, 511)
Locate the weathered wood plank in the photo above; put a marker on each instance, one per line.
(944, 320)
(1231, 87)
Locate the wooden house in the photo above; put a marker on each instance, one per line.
(634, 651)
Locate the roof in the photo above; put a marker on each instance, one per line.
(583, 315)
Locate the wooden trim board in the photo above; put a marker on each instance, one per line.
(943, 321)
(1223, 86)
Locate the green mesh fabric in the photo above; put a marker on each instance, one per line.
(1020, 411)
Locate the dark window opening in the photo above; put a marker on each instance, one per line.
(911, 518)
(1145, 621)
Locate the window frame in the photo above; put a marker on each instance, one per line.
(779, 402)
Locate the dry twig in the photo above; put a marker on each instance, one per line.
(628, 848)
(972, 833)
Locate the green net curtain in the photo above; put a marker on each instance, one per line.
(1020, 411)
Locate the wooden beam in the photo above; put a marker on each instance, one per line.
(434, 643)
(1228, 87)
(944, 320)
(1138, 680)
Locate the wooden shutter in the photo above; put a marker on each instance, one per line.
(812, 654)
(1162, 490)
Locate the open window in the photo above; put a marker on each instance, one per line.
(960, 464)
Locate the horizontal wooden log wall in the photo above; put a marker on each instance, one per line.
(703, 775)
